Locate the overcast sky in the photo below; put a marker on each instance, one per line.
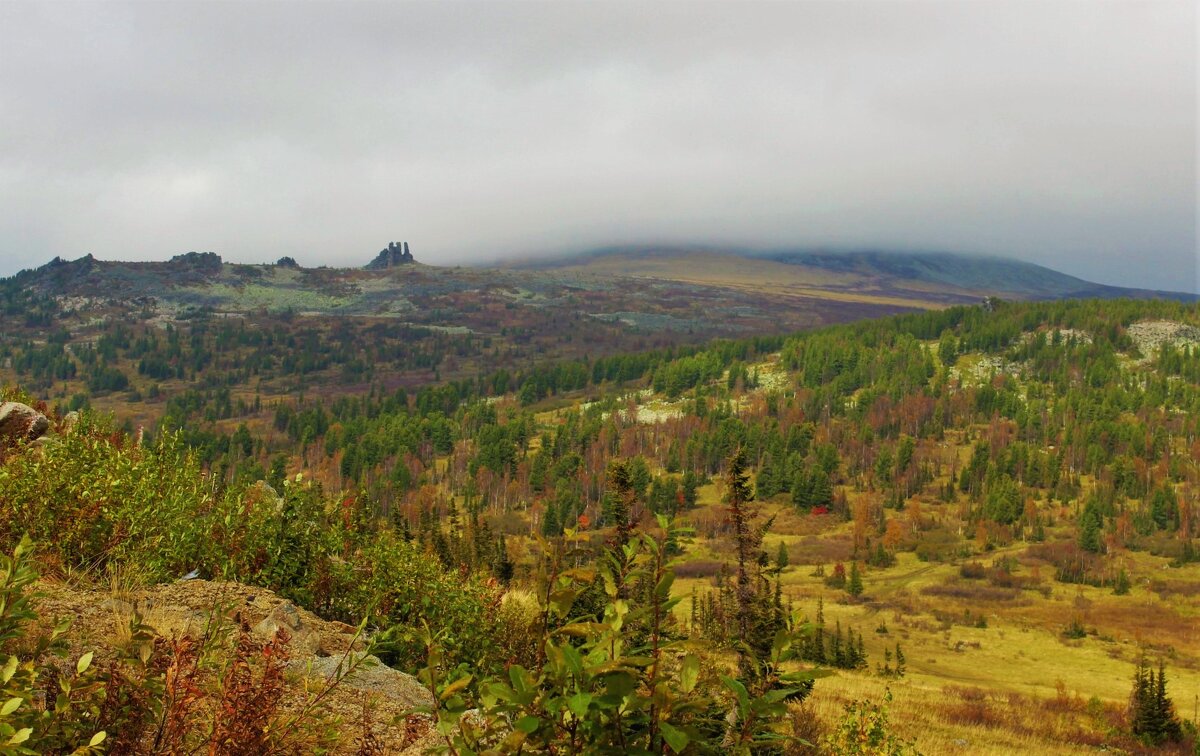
(1063, 133)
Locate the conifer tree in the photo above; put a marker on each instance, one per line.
(854, 584)
(737, 499)
(620, 481)
(1152, 713)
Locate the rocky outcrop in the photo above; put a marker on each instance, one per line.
(1151, 335)
(20, 422)
(395, 254)
(321, 652)
(369, 675)
(207, 261)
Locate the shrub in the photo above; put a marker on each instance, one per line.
(865, 731)
(219, 693)
(94, 497)
(614, 685)
(404, 588)
(1075, 629)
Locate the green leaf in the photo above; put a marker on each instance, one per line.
(739, 690)
(675, 737)
(581, 629)
(455, 686)
(663, 589)
(98, 738)
(573, 659)
(20, 736)
(578, 703)
(528, 724)
(84, 662)
(521, 681)
(778, 694)
(10, 706)
(690, 673)
(562, 599)
(10, 669)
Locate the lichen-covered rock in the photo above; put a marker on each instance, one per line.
(20, 422)
(369, 675)
(286, 617)
(373, 699)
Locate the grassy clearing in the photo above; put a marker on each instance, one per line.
(989, 669)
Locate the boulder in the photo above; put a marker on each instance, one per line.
(287, 617)
(20, 422)
(370, 675)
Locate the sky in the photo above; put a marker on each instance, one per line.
(1062, 133)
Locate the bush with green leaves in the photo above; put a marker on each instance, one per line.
(401, 587)
(865, 730)
(625, 683)
(95, 496)
(99, 500)
(44, 711)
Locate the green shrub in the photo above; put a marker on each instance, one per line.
(866, 731)
(39, 716)
(94, 497)
(622, 684)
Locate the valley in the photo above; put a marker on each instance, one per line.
(966, 525)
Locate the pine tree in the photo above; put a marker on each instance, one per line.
(620, 481)
(1152, 713)
(550, 524)
(692, 619)
(738, 501)
(781, 556)
(1122, 584)
(854, 584)
(766, 483)
(503, 566)
(818, 645)
(885, 670)
(836, 655)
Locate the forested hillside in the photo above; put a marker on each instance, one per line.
(963, 530)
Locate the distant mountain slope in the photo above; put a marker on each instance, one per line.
(651, 288)
(922, 278)
(974, 273)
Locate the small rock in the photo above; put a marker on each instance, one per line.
(286, 617)
(117, 606)
(20, 422)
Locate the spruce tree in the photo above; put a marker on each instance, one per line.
(854, 584)
(1152, 714)
(621, 485)
(737, 499)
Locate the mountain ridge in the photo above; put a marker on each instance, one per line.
(949, 276)
(961, 273)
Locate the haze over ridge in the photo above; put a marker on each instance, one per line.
(1059, 133)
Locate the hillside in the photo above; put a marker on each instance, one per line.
(989, 512)
(921, 279)
(137, 337)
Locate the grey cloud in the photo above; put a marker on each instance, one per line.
(1057, 132)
